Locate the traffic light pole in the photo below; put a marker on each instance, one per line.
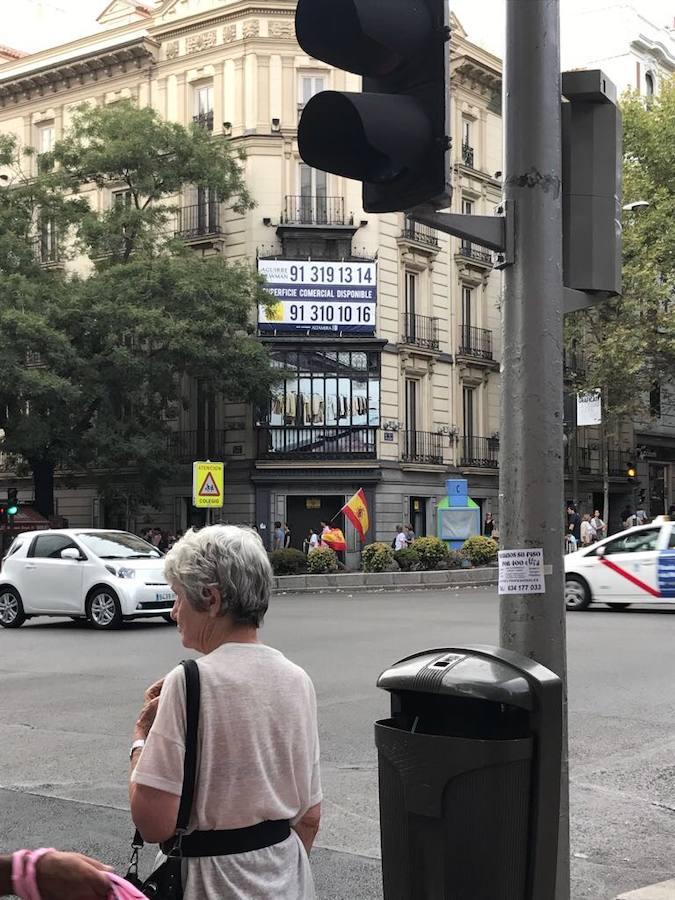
(531, 435)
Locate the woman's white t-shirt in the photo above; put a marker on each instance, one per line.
(258, 759)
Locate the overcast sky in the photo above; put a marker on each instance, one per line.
(37, 24)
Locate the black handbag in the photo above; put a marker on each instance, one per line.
(166, 882)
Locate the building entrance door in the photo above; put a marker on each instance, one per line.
(303, 513)
(418, 516)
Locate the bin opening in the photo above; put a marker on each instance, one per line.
(466, 717)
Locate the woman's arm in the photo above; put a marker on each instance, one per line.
(308, 826)
(154, 812)
(61, 875)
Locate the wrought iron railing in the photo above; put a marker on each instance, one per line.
(478, 254)
(199, 220)
(204, 120)
(313, 209)
(422, 447)
(317, 442)
(422, 234)
(187, 446)
(467, 155)
(479, 452)
(618, 461)
(475, 342)
(421, 331)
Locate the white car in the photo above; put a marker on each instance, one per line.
(101, 575)
(634, 566)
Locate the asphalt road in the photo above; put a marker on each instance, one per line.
(70, 696)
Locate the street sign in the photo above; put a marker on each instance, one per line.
(208, 483)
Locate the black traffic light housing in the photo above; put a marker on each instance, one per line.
(3, 513)
(12, 503)
(393, 136)
(631, 471)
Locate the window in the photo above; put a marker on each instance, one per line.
(467, 144)
(411, 399)
(468, 411)
(411, 285)
(635, 542)
(467, 307)
(327, 403)
(671, 542)
(203, 106)
(49, 546)
(649, 84)
(112, 545)
(46, 139)
(47, 241)
(466, 132)
(313, 196)
(121, 198)
(655, 401)
(467, 210)
(308, 86)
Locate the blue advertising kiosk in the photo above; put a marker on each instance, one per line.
(458, 515)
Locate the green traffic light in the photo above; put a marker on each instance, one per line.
(12, 510)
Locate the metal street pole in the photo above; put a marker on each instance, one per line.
(531, 469)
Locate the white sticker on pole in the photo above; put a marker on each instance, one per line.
(521, 572)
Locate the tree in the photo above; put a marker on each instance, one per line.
(629, 341)
(115, 349)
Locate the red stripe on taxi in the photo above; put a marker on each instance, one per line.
(633, 580)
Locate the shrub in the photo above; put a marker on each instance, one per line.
(455, 559)
(322, 561)
(288, 562)
(407, 559)
(377, 557)
(480, 550)
(431, 551)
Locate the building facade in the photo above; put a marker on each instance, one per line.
(396, 402)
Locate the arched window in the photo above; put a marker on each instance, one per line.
(649, 84)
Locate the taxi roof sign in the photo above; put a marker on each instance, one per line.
(208, 484)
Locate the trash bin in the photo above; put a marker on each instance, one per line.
(469, 775)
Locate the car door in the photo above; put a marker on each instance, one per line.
(666, 565)
(627, 571)
(53, 584)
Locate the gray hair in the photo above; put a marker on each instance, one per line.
(226, 557)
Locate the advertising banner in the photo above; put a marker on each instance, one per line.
(589, 407)
(319, 297)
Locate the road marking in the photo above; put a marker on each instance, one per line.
(633, 580)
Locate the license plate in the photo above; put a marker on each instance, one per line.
(167, 596)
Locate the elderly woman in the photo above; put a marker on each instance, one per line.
(258, 748)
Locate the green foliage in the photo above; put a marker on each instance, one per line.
(322, 561)
(407, 559)
(629, 341)
(480, 550)
(431, 551)
(377, 557)
(288, 561)
(456, 559)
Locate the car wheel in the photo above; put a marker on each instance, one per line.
(577, 594)
(11, 608)
(167, 618)
(619, 605)
(103, 608)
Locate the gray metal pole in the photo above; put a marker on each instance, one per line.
(531, 468)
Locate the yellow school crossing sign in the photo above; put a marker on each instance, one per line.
(208, 482)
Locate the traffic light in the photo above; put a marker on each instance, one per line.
(393, 136)
(3, 514)
(631, 471)
(592, 148)
(12, 503)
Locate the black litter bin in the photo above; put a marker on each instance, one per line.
(469, 772)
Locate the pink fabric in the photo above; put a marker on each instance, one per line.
(24, 878)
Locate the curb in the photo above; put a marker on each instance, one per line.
(362, 582)
(664, 890)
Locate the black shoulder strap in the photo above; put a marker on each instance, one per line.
(192, 702)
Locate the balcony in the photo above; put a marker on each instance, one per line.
(310, 209)
(479, 452)
(574, 368)
(420, 234)
(467, 155)
(476, 343)
(420, 331)
(476, 254)
(188, 446)
(589, 461)
(422, 447)
(318, 442)
(204, 120)
(197, 222)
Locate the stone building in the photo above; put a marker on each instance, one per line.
(395, 402)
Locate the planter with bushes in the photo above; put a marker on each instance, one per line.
(288, 562)
(322, 561)
(482, 551)
(377, 557)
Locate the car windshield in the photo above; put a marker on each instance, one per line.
(118, 545)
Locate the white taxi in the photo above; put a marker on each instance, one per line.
(634, 566)
(101, 575)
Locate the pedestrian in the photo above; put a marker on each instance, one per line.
(278, 537)
(409, 534)
(574, 523)
(598, 525)
(641, 515)
(400, 541)
(59, 876)
(163, 544)
(489, 525)
(626, 514)
(311, 542)
(257, 797)
(586, 530)
(287, 535)
(156, 537)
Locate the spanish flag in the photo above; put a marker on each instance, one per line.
(335, 539)
(356, 511)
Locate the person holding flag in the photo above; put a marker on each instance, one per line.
(356, 510)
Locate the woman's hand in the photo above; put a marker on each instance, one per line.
(146, 717)
(72, 876)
